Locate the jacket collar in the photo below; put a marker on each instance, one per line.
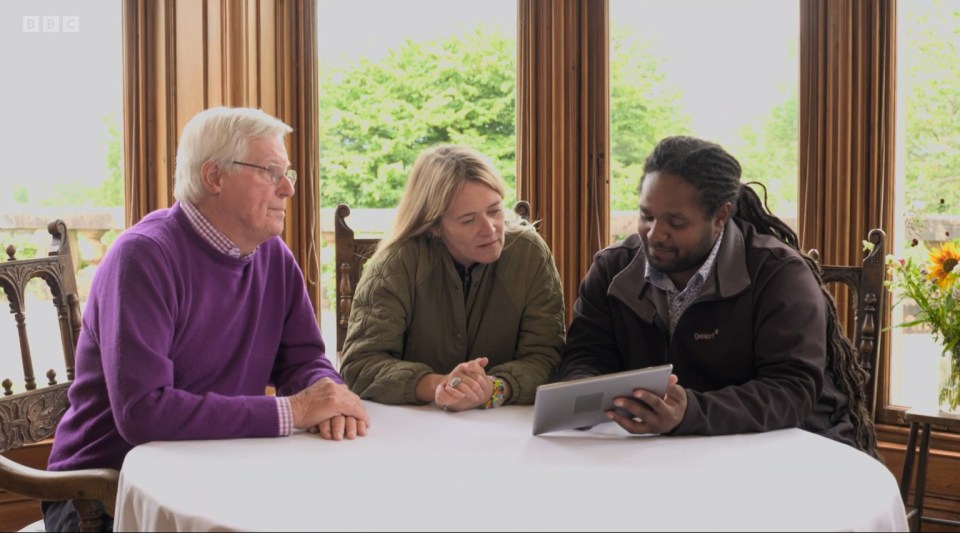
(729, 277)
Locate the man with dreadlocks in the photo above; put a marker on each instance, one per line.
(715, 284)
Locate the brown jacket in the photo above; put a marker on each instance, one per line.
(750, 350)
(409, 318)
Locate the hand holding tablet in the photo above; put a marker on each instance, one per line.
(584, 402)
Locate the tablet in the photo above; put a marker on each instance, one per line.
(582, 402)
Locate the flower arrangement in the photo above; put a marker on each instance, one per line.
(930, 277)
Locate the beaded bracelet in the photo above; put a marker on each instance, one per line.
(496, 397)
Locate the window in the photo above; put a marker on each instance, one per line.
(708, 69)
(928, 173)
(420, 73)
(62, 156)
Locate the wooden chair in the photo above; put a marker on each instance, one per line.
(867, 294)
(32, 415)
(351, 254)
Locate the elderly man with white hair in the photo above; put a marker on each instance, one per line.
(196, 309)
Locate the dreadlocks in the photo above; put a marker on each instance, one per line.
(716, 175)
(842, 356)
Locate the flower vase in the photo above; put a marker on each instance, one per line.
(950, 383)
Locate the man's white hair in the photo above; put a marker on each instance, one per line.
(221, 135)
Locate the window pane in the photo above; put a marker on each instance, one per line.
(928, 174)
(62, 95)
(419, 73)
(719, 75)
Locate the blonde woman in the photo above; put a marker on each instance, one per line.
(461, 306)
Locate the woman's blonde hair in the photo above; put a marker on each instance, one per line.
(437, 177)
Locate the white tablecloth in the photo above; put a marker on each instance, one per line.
(421, 469)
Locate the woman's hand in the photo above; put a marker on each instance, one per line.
(466, 387)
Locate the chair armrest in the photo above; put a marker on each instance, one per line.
(90, 484)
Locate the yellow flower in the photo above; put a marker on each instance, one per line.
(943, 262)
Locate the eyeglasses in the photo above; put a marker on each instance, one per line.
(276, 172)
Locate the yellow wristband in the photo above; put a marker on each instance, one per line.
(496, 396)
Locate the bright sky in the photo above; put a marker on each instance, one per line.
(56, 90)
(731, 57)
(343, 38)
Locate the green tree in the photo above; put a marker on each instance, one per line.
(932, 107)
(111, 190)
(377, 117)
(643, 110)
(768, 154)
(21, 195)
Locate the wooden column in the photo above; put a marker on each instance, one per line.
(563, 129)
(183, 56)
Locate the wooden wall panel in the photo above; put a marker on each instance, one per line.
(942, 498)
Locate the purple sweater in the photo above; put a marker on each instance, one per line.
(179, 342)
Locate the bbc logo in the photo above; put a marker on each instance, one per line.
(51, 24)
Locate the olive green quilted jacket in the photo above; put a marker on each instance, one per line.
(410, 318)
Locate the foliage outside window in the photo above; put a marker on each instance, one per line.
(376, 117)
(722, 77)
(390, 90)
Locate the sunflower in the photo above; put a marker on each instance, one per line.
(943, 265)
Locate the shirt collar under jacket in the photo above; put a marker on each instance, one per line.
(678, 300)
(212, 235)
(730, 275)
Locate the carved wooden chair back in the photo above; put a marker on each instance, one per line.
(867, 295)
(351, 254)
(32, 415)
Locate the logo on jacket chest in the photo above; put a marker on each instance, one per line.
(706, 336)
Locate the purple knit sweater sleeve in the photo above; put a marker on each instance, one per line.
(180, 341)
